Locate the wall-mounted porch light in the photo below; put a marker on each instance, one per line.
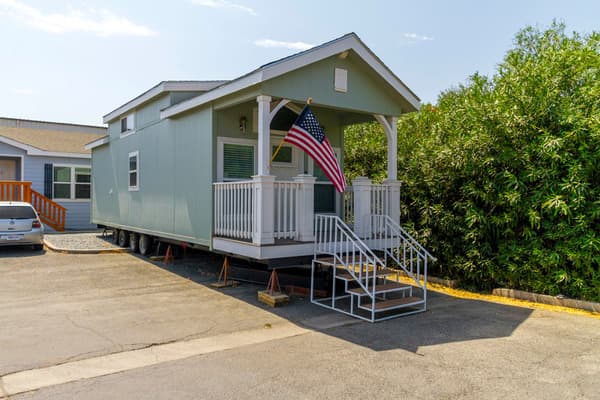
(243, 124)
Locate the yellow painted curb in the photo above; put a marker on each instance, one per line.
(463, 294)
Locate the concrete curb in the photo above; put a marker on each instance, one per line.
(83, 251)
(546, 299)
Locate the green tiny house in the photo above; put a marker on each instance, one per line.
(189, 161)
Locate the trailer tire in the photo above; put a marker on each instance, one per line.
(123, 238)
(134, 242)
(115, 236)
(145, 245)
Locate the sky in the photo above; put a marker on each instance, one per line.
(75, 61)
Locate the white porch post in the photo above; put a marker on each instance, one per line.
(305, 207)
(264, 208)
(390, 126)
(264, 132)
(264, 184)
(362, 206)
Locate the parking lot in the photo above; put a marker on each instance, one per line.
(58, 310)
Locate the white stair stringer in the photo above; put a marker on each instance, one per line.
(360, 279)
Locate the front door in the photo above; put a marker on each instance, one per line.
(8, 169)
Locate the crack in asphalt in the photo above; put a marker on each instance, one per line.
(102, 352)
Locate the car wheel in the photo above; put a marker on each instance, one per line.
(145, 244)
(134, 242)
(123, 238)
(115, 236)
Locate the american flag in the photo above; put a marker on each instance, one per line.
(307, 134)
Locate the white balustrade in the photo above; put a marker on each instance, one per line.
(234, 209)
(262, 210)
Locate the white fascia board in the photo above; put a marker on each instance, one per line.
(214, 94)
(349, 42)
(166, 86)
(42, 153)
(155, 91)
(97, 143)
(34, 151)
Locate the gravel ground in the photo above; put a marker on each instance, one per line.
(80, 241)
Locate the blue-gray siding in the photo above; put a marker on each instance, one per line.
(78, 212)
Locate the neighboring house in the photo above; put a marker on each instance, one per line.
(52, 157)
(190, 162)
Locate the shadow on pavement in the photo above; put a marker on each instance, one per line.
(447, 319)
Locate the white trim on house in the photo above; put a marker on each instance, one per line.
(162, 87)
(34, 151)
(22, 162)
(136, 170)
(347, 42)
(97, 143)
(221, 141)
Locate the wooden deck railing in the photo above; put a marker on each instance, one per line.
(15, 191)
(51, 213)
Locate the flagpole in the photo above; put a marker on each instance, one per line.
(308, 102)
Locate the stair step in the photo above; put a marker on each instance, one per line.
(384, 305)
(342, 274)
(388, 286)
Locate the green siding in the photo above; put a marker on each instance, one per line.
(367, 92)
(175, 194)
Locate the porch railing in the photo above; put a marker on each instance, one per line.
(15, 191)
(236, 209)
(287, 212)
(50, 212)
(380, 199)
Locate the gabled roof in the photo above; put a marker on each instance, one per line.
(350, 41)
(40, 138)
(162, 87)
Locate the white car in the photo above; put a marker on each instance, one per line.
(20, 225)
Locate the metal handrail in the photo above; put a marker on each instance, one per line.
(335, 238)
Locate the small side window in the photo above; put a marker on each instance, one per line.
(134, 171)
(127, 124)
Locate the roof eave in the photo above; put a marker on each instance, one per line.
(349, 41)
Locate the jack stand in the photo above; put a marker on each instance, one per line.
(169, 259)
(273, 295)
(223, 281)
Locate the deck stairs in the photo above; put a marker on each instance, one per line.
(365, 272)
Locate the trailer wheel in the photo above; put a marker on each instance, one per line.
(145, 244)
(123, 238)
(134, 242)
(115, 236)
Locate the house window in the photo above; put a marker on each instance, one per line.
(284, 156)
(134, 177)
(71, 182)
(127, 124)
(238, 161)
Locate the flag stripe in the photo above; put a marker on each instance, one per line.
(329, 157)
(307, 134)
(318, 153)
(332, 175)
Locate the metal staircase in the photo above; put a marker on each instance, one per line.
(361, 284)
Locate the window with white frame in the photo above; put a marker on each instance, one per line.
(127, 125)
(236, 159)
(133, 172)
(71, 182)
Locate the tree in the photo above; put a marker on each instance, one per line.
(501, 176)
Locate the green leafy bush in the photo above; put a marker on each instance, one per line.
(502, 176)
